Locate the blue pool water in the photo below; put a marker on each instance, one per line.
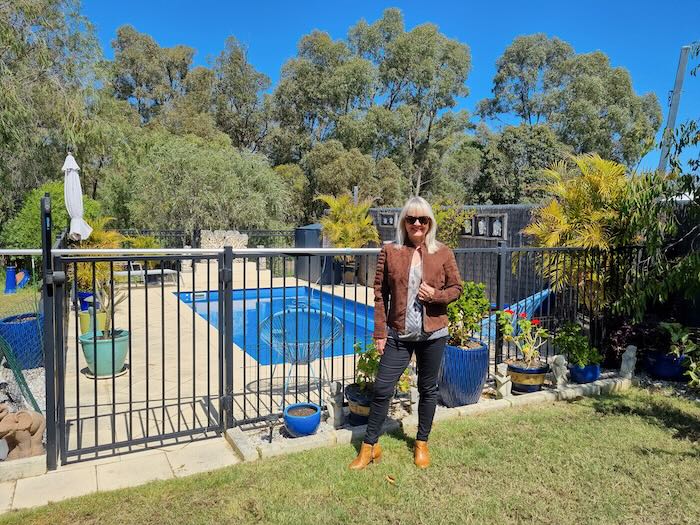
(251, 307)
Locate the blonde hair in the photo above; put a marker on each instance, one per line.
(424, 208)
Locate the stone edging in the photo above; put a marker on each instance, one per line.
(242, 445)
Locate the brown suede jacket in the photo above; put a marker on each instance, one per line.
(391, 287)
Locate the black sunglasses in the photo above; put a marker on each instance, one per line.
(410, 219)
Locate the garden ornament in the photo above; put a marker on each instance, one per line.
(23, 431)
(335, 405)
(559, 370)
(503, 381)
(629, 360)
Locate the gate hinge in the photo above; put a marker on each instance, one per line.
(227, 402)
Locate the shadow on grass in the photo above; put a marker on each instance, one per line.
(657, 412)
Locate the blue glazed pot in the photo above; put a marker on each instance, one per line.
(661, 365)
(585, 374)
(526, 380)
(98, 353)
(23, 334)
(299, 426)
(462, 374)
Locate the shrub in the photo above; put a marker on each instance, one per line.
(24, 229)
(575, 346)
(465, 314)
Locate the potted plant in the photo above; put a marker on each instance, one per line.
(527, 373)
(359, 394)
(465, 362)
(88, 274)
(348, 225)
(105, 350)
(584, 360)
(302, 419)
(670, 365)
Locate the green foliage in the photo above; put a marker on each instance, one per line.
(23, 230)
(570, 342)
(512, 164)
(450, 218)
(48, 53)
(101, 237)
(589, 104)
(147, 74)
(528, 340)
(348, 225)
(682, 344)
(187, 183)
(367, 368)
(466, 313)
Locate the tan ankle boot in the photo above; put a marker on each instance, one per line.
(421, 456)
(368, 454)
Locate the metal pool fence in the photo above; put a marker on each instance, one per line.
(185, 343)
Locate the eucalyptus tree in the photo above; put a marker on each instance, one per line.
(590, 104)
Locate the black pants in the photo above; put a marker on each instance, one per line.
(394, 361)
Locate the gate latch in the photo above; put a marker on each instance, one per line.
(55, 277)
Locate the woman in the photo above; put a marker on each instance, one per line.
(416, 279)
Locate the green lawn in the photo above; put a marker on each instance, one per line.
(25, 300)
(628, 459)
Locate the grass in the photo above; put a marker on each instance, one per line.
(630, 459)
(24, 300)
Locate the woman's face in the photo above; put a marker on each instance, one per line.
(417, 224)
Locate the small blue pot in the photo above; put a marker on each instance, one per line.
(84, 305)
(585, 374)
(661, 365)
(299, 426)
(462, 374)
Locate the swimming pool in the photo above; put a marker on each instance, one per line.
(252, 306)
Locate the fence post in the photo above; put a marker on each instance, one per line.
(501, 265)
(227, 275)
(49, 358)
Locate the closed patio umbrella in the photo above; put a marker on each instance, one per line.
(73, 193)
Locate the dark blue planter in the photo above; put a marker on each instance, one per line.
(299, 426)
(462, 374)
(526, 380)
(359, 402)
(661, 365)
(585, 374)
(23, 334)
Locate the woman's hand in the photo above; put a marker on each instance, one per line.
(379, 344)
(426, 292)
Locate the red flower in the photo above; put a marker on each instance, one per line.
(536, 322)
(509, 311)
(522, 315)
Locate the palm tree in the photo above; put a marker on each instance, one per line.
(348, 225)
(588, 194)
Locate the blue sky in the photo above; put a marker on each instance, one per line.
(643, 36)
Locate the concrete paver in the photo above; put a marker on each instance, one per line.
(7, 491)
(133, 471)
(54, 486)
(202, 456)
